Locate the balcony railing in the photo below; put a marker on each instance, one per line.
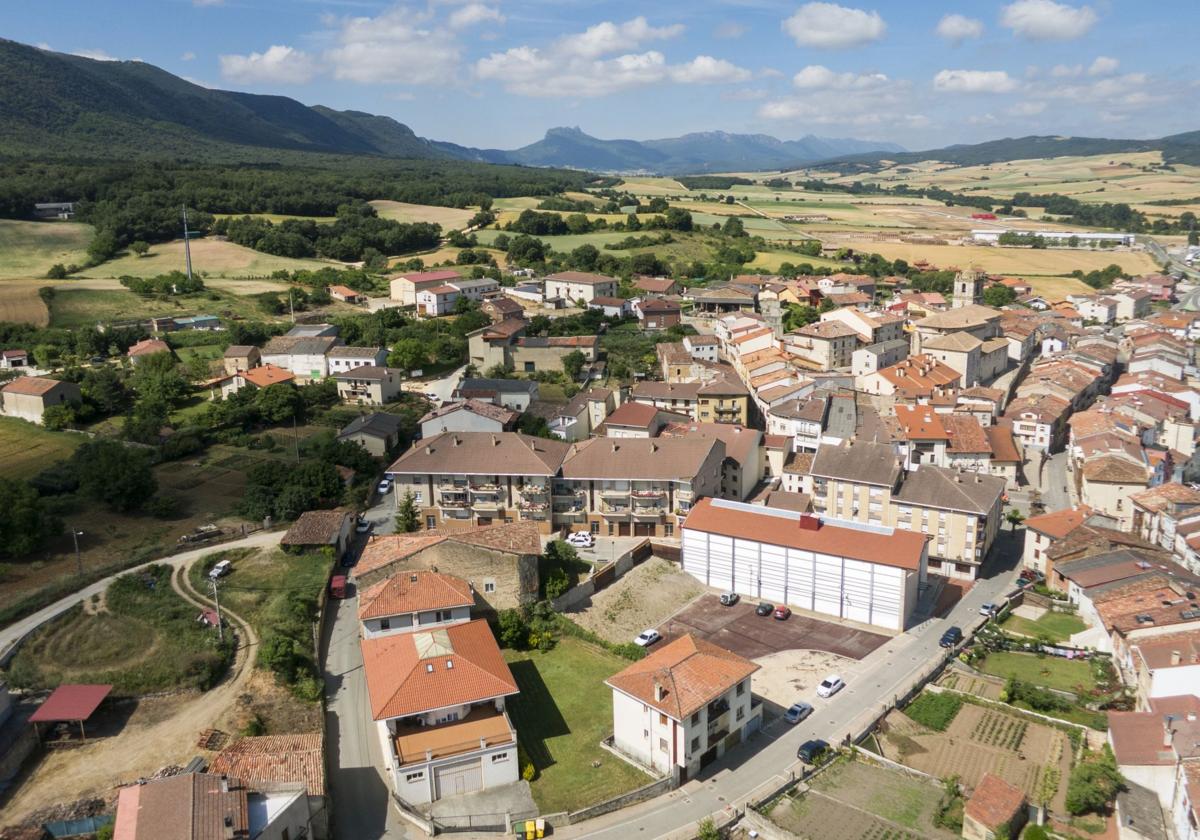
(649, 492)
(485, 487)
(614, 491)
(485, 503)
(646, 511)
(614, 510)
(452, 503)
(533, 490)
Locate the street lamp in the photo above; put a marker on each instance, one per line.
(75, 535)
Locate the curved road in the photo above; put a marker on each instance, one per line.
(15, 632)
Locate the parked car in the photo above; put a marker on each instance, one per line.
(363, 525)
(782, 612)
(337, 586)
(951, 637)
(581, 539)
(220, 570)
(797, 712)
(647, 638)
(830, 686)
(384, 487)
(764, 608)
(989, 609)
(728, 599)
(810, 751)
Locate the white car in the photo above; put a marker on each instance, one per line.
(581, 539)
(220, 570)
(647, 638)
(384, 487)
(988, 609)
(363, 526)
(830, 686)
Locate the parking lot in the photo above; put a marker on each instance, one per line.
(740, 630)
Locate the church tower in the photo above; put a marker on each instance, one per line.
(968, 288)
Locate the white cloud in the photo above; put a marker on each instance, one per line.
(188, 56)
(278, 65)
(974, 81)
(830, 26)
(1103, 66)
(474, 13)
(1064, 71)
(1046, 20)
(704, 69)
(601, 61)
(817, 77)
(730, 29)
(97, 55)
(847, 103)
(398, 47)
(744, 95)
(1027, 109)
(608, 37)
(958, 28)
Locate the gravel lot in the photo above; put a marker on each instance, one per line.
(645, 597)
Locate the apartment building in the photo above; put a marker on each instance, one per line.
(823, 346)
(580, 285)
(404, 287)
(303, 355)
(960, 511)
(344, 358)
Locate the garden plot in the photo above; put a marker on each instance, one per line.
(1032, 756)
(853, 800)
(973, 684)
(645, 597)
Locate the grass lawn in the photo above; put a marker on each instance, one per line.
(210, 257)
(26, 449)
(28, 249)
(563, 712)
(1057, 626)
(169, 649)
(1049, 671)
(263, 582)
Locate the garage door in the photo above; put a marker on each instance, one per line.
(456, 779)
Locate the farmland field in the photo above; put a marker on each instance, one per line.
(1021, 262)
(20, 302)
(26, 449)
(210, 258)
(28, 249)
(276, 218)
(448, 217)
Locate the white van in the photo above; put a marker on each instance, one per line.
(220, 569)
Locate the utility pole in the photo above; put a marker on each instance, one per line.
(75, 535)
(187, 244)
(296, 437)
(217, 601)
(291, 306)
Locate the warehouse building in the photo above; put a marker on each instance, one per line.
(865, 573)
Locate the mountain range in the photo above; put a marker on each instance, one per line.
(64, 105)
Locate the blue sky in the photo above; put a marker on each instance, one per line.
(498, 73)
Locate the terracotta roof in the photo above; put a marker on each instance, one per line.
(956, 342)
(267, 375)
(1057, 524)
(1137, 737)
(654, 284)
(520, 538)
(149, 346)
(239, 351)
(410, 673)
(1004, 448)
(190, 806)
(964, 317)
(344, 291)
(276, 758)
(1146, 602)
(739, 440)
(826, 330)
(919, 374)
(666, 390)
(506, 329)
(782, 499)
(799, 463)
(919, 422)
(1114, 470)
(608, 301)
(966, 435)
(414, 591)
(316, 527)
(994, 801)
(1161, 651)
(656, 459)
(71, 703)
(658, 305)
(636, 414)
(482, 453)
(1160, 498)
(392, 548)
(872, 544)
(31, 386)
(682, 677)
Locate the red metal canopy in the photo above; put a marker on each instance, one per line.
(71, 703)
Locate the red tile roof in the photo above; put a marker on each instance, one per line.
(267, 375)
(683, 676)
(632, 414)
(276, 758)
(1057, 524)
(919, 422)
(994, 801)
(414, 591)
(149, 346)
(411, 673)
(30, 386)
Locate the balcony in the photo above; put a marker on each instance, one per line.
(532, 507)
(452, 502)
(486, 503)
(649, 492)
(483, 728)
(485, 487)
(648, 511)
(561, 492)
(614, 510)
(614, 492)
(534, 490)
(684, 495)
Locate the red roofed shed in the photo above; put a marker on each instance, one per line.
(71, 703)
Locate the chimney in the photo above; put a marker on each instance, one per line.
(224, 784)
(228, 827)
(660, 691)
(1168, 735)
(456, 440)
(809, 522)
(1176, 657)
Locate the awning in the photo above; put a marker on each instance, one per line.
(71, 703)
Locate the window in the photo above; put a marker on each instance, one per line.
(409, 778)
(594, 527)
(489, 586)
(431, 522)
(530, 367)
(696, 744)
(416, 495)
(696, 719)
(741, 712)
(662, 744)
(662, 719)
(498, 757)
(741, 689)
(442, 616)
(668, 530)
(645, 733)
(385, 624)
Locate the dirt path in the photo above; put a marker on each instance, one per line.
(161, 732)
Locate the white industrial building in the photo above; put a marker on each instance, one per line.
(865, 573)
(1060, 238)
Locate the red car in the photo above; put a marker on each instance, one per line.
(782, 613)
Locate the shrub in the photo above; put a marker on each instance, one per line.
(934, 710)
(1035, 832)
(708, 830)
(512, 629)
(1093, 783)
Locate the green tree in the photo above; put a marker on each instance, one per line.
(408, 516)
(678, 219)
(1094, 783)
(115, 474)
(56, 272)
(513, 631)
(58, 417)
(279, 403)
(139, 247)
(157, 377)
(24, 521)
(733, 227)
(102, 247)
(1014, 518)
(408, 354)
(998, 295)
(573, 364)
(103, 387)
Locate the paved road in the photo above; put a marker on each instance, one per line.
(441, 388)
(772, 755)
(1053, 482)
(13, 633)
(361, 804)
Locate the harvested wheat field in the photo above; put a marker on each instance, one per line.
(210, 257)
(20, 302)
(1016, 261)
(449, 218)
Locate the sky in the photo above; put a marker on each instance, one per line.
(498, 73)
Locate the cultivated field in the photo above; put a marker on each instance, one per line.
(28, 249)
(211, 257)
(645, 597)
(1021, 262)
(450, 218)
(20, 302)
(26, 449)
(853, 800)
(1032, 756)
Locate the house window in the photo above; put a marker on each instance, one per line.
(409, 778)
(385, 624)
(530, 367)
(489, 586)
(594, 527)
(442, 616)
(645, 733)
(662, 744)
(498, 757)
(668, 530)
(696, 744)
(662, 719)
(696, 719)
(741, 689)
(416, 495)
(741, 712)
(431, 522)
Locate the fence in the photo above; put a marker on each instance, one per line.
(603, 577)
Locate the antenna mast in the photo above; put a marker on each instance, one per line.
(187, 244)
